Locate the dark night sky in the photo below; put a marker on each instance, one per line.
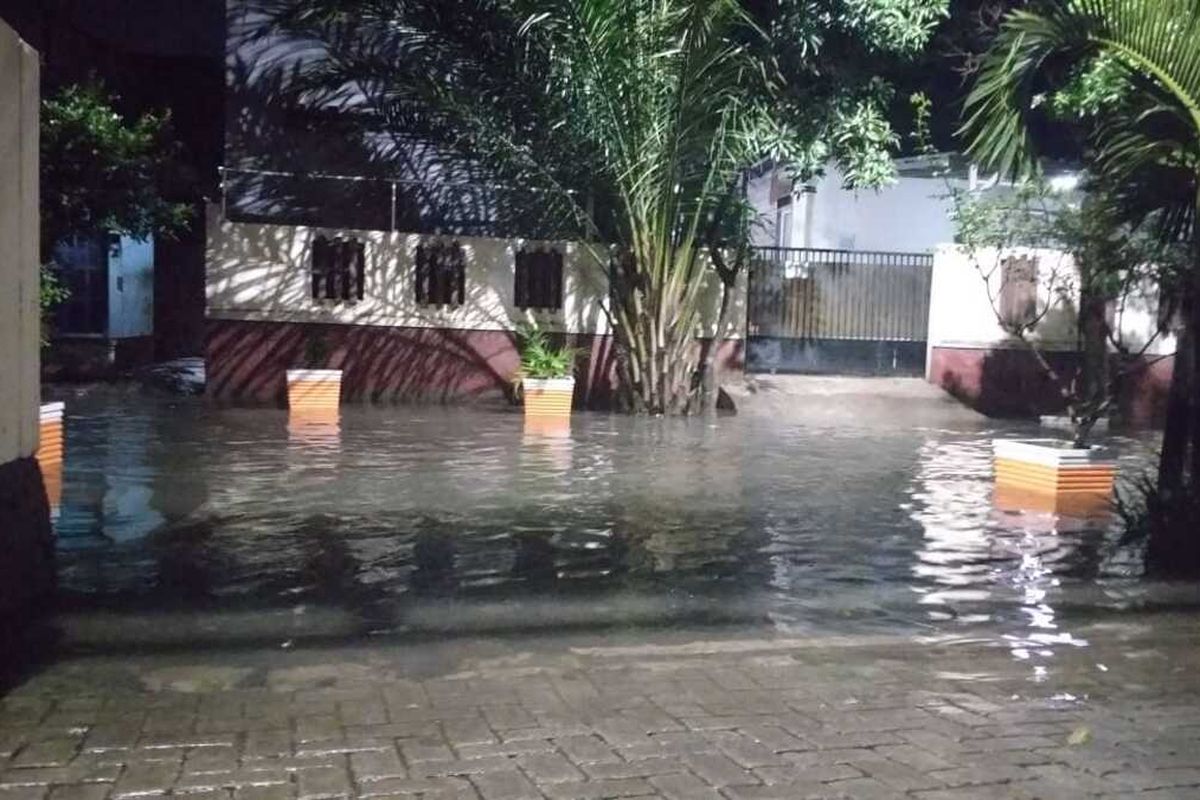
(152, 27)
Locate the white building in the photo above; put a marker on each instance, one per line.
(912, 215)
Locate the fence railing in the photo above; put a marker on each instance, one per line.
(810, 293)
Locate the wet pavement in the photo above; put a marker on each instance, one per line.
(440, 603)
(689, 714)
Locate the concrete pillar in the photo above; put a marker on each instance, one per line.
(26, 544)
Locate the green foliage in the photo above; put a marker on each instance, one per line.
(1098, 86)
(1162, 520)
(1130, 69)
(316, 349)
(900, 26)
(101, 173)
(922, 133)
(542, 359)
(52, 291)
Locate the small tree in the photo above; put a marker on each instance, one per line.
(1096, 266)
(101, 174)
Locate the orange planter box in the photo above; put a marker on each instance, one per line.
(548, 398)
(314, 389)
(1045, 475)
(50, 435)
(50, 452)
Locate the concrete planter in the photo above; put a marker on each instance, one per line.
(1050, 475)
(50, 435)
(548, 398)
(50, 453)
(314, 389)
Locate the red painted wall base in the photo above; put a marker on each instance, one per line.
(246, 362)
(1009, 382)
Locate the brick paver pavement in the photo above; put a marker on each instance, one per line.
(665, 716)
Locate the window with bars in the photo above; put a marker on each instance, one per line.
(338, 269)
(441, 274)
(1018, 291)
(538, 282)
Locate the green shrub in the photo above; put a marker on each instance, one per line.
(1166, 524)
(542, 359)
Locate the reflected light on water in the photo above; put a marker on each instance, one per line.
(315, 429)
(968, 541)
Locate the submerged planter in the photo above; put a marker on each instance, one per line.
(548, 399)
(314, 389)
(1050, 475)
(50, 435)
(50, 453)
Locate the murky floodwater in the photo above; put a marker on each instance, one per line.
(182, 520)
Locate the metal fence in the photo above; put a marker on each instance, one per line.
(839, 294)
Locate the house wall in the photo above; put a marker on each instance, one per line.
(260, 315)
(971, 356)
(131, 289)
(26, 551)
(911, 215)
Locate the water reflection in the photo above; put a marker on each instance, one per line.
(984, 550)
(316, 429)
(383, 514)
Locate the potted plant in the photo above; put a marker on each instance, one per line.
(545, 376)
(314, 388)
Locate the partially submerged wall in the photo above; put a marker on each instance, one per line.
(262, 317)
(974, 358)
(26, 550)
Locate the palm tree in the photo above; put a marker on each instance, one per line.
(629, 121)
(1144, 143)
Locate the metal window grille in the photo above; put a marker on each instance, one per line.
(538, 280)
(1018, 290)
(338, 269)
(441, 274)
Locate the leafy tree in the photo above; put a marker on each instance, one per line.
(631, 123)
(1110, 264)
(100, 174)
(1141, 65)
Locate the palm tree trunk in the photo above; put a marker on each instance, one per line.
(1173, 547)
(709, 366)
(1180, 429)
(1175, 432)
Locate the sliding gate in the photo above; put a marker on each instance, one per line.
(838, 312)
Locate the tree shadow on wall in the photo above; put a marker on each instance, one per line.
(389, 347)
(1010, 383)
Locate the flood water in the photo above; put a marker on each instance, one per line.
(180, 521)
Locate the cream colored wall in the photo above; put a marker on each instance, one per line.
(261, 272)
(961, 314)
(20, 339)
